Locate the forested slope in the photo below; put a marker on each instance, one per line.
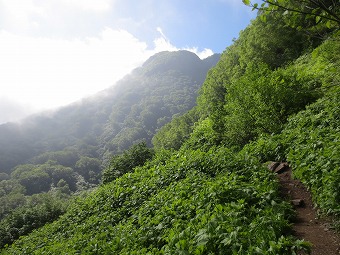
(111, 121)
(48, 158)
(206, 189)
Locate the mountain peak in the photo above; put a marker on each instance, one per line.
(182, 61)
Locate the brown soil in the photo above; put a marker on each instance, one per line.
(307, 225)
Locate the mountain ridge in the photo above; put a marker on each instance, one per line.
(51, 126)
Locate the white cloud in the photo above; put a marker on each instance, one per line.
(48, 72)
(163, 44)
(45, 73)
(201, 54)
(17, 13)
(89, 5)
(55, 17)
(43, 67)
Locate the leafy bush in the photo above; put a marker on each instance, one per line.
(310, 143)
(190, 202)
(137, 155)
(176, 132)
(89, 168)
(40, 178)
(267, 148)
(314, 151)
(37, 210)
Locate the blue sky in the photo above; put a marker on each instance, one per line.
(54, 52)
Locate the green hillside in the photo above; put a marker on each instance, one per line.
(204, 187)
(48, 159)
(112, 120)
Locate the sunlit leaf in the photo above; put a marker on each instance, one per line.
(263, 18)
(317, 19)
(246, 2)
(328, 24)
(255, 6)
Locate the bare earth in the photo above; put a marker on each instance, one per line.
(307, 225)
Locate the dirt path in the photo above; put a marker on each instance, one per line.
(307, 226)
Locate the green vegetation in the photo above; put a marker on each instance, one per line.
(192, 202)
(137, 155)
(315, 14)
(176, 132)
(29, 213)
(314, 150)
(203, 188)
(310, 139)
(310, 143)
(65, 152)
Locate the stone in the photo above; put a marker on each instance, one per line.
(273, 165)
(283, 167)
(298, 202)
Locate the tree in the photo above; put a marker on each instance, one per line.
(321, 11)
(4, 176)
(38, 210)
(89, 168)
(137, 155)
(175, 133)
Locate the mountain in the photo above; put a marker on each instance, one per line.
(112, 120)
(48, 158)
(268, 98)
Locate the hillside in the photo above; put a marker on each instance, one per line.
(114, 119)
(47, 158)
(204, 188)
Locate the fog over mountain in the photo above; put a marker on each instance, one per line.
(113, 119)
(56, 52)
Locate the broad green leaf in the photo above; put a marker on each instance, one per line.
(328, 24)
(317, 19)
(246, 2)
(255, 6)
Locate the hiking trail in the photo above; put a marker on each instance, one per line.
(307, 225)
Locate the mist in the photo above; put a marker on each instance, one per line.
(12, 111)
(43, 73)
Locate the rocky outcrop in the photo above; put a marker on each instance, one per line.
(278, 167)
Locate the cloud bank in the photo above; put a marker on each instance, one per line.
(57, 51)
(43, 73)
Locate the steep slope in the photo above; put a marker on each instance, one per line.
(268, 97)
(189, 202)
(115, 118)
(49, 157)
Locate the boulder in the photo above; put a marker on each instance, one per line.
(278, 167)
(282, 167)
(273, 165)
(298, 202)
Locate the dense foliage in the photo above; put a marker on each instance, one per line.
(137, 155)
(310, 139)
(191, 202)
(313, 15)
(310, 143)
(176, 132)
(29, 213)
(314, 151)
